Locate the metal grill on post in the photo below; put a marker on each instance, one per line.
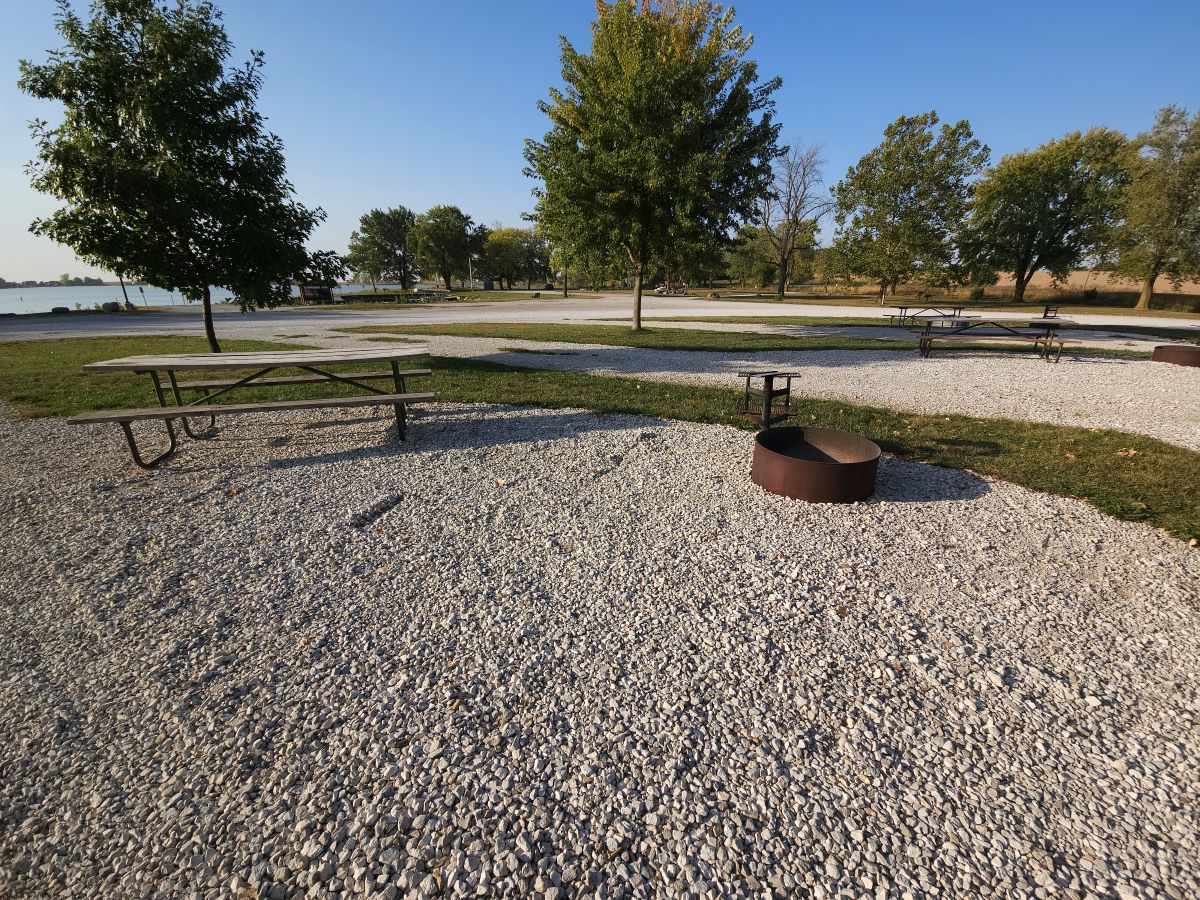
(771, 403)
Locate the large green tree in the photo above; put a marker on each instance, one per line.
(504, 255)
(442, 237)
(661, 138)
(1048, 208)
(380, 249)
(1160, 231)
(161, 158)
(900, 207)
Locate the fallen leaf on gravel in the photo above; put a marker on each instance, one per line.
(233, 491)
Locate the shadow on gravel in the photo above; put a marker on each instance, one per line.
(902, 481)
(451, 430)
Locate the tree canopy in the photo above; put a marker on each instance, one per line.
(380, 249)
(161, 159)
(1160, 231)
(1047, 208)
(662, 136)
(900, 207)
(442, 236)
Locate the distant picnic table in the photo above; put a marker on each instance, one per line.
(1041, 334)
(172, 407)
(899, 315)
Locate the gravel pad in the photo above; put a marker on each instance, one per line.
(553, 653)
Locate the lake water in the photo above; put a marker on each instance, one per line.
(43, 299)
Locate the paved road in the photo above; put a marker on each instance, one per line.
(268, 324)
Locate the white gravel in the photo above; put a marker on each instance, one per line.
(556, 654)
(1154, 399)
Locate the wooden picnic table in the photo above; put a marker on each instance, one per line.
(1041, 333)
(901, 314)
(314, 362)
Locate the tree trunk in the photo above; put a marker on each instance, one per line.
(564, 285)
(783, 274)
(446, 279)
(209, 331)
(882, 290)
(893, 286)
(123, 291)
(637, 299)
(374, 286)
(1147, 293)
(1019, 282)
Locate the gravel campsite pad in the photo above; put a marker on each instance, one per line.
(553, 653)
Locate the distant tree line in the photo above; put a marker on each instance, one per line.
(397, 246)
(662, 162)
(63, 280)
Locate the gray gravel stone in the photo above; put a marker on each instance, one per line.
(542, 671)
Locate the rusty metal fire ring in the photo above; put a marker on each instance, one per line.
(821, 465)
(1179, 354)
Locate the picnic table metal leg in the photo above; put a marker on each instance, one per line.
(399, 407)
(133, 448)
(187, 429)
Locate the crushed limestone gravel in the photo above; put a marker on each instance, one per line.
(556, 654)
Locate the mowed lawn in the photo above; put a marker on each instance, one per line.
(645, 338)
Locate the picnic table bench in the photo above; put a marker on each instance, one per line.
(1040, 334)
(314, 362)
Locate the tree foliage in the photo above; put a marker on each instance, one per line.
(661, 138)
(442, 237)
(1047, 208)
(161, 159)
(751, 260)
(1160, 231)
(900, 207)
(381, 248)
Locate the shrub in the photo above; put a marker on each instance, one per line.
(977, 292)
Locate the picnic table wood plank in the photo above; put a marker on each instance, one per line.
(254, 359)
(302, 379)
(223, 409)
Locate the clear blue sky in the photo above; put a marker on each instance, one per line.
(381, 103)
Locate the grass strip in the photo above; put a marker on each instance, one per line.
(850, 322)
(1129, 476)
(693, 340)
(646, 339)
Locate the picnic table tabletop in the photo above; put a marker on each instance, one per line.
(981, 320)
(254, 358)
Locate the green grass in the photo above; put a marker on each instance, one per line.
(849, 322)
(1158, 484)
(458, 297)
(809, 321)
(647, 338)
(694, 340)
